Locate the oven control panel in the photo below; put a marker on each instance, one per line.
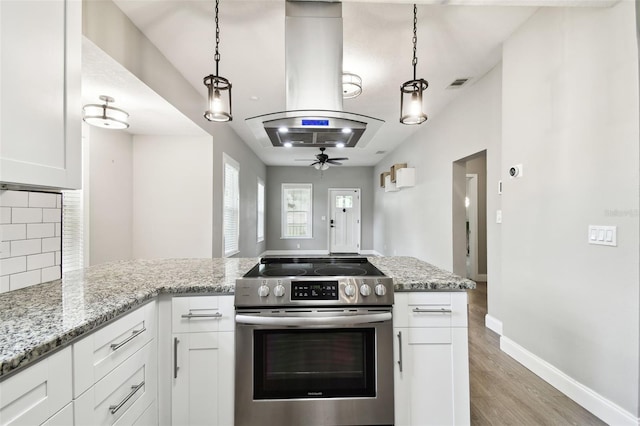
(327, 291)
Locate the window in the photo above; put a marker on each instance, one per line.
(297, 219)
(260, 211)
(231, 206)
(72, 231)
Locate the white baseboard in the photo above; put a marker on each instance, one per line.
(370, 253)
(481, 277)
(586, 397)
(493, 324)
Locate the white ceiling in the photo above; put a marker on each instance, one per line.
(454, 41)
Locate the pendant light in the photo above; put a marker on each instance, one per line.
(105, 116)
(219, 88)
(411, 110)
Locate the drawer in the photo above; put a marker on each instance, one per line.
(430, 309)
(149, 417)
(202, 313)
(99, 353)
(427, 336)
(63, 417)
(32, 396)
(123, 395)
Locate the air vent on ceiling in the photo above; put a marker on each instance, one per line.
(457, 83)
(381, 152)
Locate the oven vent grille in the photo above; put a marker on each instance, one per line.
(457, 83)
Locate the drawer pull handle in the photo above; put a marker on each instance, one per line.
(135, 388)
(136, 333)
(431, 311)
(190, 315)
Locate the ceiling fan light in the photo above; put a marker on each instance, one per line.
(317, 166)
(324, 166)
(105, 116)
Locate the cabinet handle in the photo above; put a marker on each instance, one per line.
(136, 333)
(400, 347)
(135, 388)
(190, 315)
(427, 311)
(175, 357)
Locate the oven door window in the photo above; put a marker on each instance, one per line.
(314, 363)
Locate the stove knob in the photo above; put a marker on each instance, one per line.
(278, 290)
(350, 290)
(381, 290)
(365, 290)
(263, 291)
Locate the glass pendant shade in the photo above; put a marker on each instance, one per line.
(411, 107)
(219, 98)
(105, 116)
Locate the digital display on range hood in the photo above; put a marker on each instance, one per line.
(310, 122)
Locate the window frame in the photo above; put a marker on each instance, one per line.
(228, 160)
(260, 210)
(284, 211)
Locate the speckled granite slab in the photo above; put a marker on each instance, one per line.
(411, 274)
(39, 319)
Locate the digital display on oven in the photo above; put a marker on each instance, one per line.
(314, 290)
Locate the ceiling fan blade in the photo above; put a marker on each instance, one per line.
(313, 164)
(334, 162)
(339, 159)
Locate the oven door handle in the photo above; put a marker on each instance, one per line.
(302, 321)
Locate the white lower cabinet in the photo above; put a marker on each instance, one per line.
(432, 366)
(123, 395)
(202, 388)
(63, 417)
(33, 396)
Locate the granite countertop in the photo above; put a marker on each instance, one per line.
(42, 318)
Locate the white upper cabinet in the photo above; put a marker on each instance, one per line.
(40, 103)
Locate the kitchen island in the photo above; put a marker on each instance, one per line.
(39, 320)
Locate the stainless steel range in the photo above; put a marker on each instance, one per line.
(314, 343)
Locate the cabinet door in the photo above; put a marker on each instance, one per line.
(202, 390)
(63, 417)
(40, 106)
(32, 396)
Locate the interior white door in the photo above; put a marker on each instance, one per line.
(344, 220)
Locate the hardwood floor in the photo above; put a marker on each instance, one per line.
(503, 392)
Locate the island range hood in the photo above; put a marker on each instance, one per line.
(313, 65)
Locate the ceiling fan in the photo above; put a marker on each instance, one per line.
(322, 161)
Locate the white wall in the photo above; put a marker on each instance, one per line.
(570, 116)
(417, 221)
(110, 204)
(172, 196)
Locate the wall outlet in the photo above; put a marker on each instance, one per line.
(297, 245)
(498, 216)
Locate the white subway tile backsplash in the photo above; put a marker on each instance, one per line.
(13, 265)
(51, 244)
(5, 249)
(51, 215)
(40, 261)
(30, 238)
(51, 273)
(42, 199)
(13, 232)
(26, 215)
(24, 279)
(5, 214)
(41, 230)
(14, 199)
(25, 247)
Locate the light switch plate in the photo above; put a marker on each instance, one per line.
(602, 235)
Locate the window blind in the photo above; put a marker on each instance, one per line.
(260, 201)
(231, 207)
(72, 231)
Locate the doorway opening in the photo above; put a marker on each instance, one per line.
(469, 216)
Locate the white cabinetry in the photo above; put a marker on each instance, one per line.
(432, 363)
(33, 396)
(115, 371)
(202, 389)
(40, 106)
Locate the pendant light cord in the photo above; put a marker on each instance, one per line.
(414, 62)
(216, 57)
